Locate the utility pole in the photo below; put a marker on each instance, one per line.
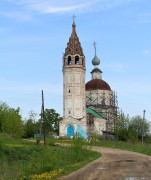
(143, 127)
(43, 118)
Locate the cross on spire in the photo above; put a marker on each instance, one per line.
(73, 17)
(94, 44)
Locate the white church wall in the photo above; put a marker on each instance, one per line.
(74, 92)
(95, 97)
(70, 121)
(100, 125)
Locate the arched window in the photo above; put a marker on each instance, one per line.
(69, 60)
(77, 60)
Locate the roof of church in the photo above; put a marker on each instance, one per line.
(74, 45)
(97, 84)
(94, 113)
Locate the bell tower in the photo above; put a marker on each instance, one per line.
(74, 78)
(74, 103)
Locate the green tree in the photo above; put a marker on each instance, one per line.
(10, 120)
(124, 130)
(140, 125)
(122, 122)
(147, 138)
(52, 119)
(31, 125)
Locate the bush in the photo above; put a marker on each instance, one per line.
(147, 138)
(94, 137)
(128, 135)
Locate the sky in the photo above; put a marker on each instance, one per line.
(33, 38)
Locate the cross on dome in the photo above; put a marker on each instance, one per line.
(94, 44)
(73, 17)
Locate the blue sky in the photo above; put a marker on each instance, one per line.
(33, 37)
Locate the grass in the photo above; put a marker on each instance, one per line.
(137, 147)
(23, 160)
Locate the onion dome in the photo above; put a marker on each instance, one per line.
(95, 61)
(97, 84)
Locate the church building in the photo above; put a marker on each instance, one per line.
(87, 108)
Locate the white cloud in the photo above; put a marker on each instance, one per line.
(147, 51)
(56, 6)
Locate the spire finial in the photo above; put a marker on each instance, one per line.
(95, 60)
(94, 44)
(73, 17)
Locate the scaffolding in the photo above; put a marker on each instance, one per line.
(105, 104)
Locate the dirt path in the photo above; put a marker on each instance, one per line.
(114, 165)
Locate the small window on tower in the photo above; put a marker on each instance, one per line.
(69, 112)
(77, 60)
(69, 60)
(69, 91)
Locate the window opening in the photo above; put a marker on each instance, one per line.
(69, 60)
(77, 60)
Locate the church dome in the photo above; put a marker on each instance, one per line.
(95, 61)
(97, 84)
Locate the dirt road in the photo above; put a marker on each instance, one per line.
(114, 165)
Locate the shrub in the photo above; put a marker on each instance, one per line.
(94, 137)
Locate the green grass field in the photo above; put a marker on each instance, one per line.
(135, 147)
(25, 160)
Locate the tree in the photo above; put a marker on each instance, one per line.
(10, 120)
(52, 119)
(124, 130)
(122, 122)
(31, 125)
(140, 125)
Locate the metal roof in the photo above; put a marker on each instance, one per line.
(90, 111)
(97, 84)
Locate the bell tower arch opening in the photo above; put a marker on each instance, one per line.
(77, 60)
(69, 60)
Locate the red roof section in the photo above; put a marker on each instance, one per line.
(97, 84)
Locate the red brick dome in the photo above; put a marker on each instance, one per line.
(97, 84)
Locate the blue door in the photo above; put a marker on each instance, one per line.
(70, 131)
